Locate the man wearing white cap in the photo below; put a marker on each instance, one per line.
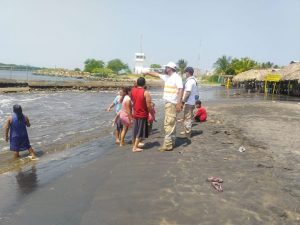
(172, 96)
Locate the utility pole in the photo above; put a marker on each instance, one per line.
(141, 43)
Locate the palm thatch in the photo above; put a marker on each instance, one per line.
(253, 74)
(291, 72)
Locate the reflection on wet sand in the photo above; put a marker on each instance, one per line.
(27, 180)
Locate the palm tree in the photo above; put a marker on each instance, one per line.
(243, 64)
(182, 64)
(223, 65)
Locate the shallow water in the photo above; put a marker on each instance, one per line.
(62, 120)
(24, 75)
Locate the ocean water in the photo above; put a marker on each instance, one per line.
(24, 75)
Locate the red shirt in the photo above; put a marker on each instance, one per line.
(201, 113)
(140, 109)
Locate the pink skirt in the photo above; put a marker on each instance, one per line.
(125, 119)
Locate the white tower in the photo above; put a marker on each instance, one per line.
(139, 62)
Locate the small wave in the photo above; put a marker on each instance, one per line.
(29, 99)
(6, 102)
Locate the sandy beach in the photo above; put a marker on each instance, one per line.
(261, 185)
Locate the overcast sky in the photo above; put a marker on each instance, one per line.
(64, 33)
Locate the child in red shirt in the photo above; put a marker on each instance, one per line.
(200, 114)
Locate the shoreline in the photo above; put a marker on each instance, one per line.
(8, 86)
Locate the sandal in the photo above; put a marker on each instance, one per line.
(215, 179)
(217, 186)
(137, 150)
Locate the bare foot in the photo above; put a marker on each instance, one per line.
(117, 142)
(137, 150)
(33, 157)
(122, 144)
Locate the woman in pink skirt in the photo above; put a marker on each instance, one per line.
(125, 113)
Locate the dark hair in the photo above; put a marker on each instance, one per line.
(198, 102)
(141, 82)
(17, 109)
(126, 91)
(189, 70)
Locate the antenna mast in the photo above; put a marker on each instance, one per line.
(141, 43)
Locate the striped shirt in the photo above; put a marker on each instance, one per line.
(172, 84)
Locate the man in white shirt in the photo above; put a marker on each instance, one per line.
(189, 98)
(172, 96)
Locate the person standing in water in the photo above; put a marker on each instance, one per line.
(16, 126)
(118, 106)
(125, 113)
(172, 96)
(141, 100)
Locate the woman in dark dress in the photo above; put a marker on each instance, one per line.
(16, 126)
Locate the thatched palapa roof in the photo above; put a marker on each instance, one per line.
(253, 74)
(291, 72)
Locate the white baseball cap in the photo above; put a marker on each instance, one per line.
(171, 65)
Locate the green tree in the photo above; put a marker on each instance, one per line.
(91, 64)
(267, 65)
(243, 64)
(77, 69)
(155, 66)
(223, 66)
(182, 64)
(102, 72)
(116, 65)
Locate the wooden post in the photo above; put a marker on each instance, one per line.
(265, 87)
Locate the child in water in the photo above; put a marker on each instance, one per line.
(16, 126)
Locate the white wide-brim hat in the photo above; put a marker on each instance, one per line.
(171, 65)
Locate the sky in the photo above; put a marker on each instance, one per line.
(64, 33)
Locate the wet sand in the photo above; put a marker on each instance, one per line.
(261, 185)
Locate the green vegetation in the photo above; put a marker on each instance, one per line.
(116, 65)
(103, 72)
(98, 68)
(182, 64)
(91, 64)
(225, 65)
(155, 66)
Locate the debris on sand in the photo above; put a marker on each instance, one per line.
(227, 132)
(216, 183)
(242, 149)
(260, 165)
(216, 132)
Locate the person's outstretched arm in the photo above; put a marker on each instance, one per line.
(109, 108)
(6, 128)
(153, 74)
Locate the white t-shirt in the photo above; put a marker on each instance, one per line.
(191, 85)
(172, 84)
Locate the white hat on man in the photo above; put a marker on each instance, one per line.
(171, 65)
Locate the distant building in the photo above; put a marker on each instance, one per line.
(139, 62)
(140, 67)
